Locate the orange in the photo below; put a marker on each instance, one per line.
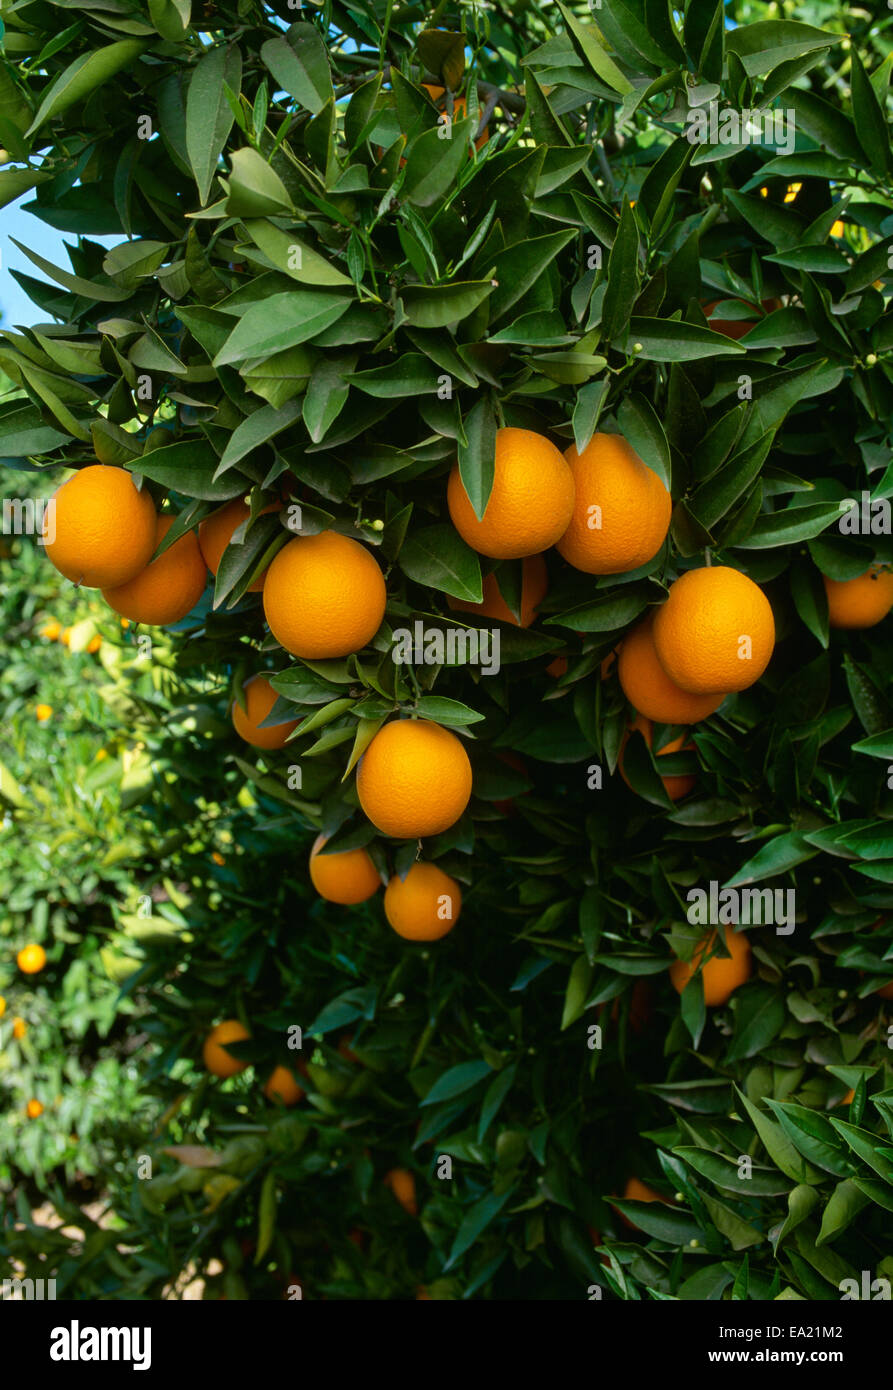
(324, 596)
(402, 1184)
(534, 585)
(94, 644)
(847, 1099)
(51, 630)
(649, 689)
(2, 1006)
(281, 1085)
(31, 959)
(215, 533)
(716, 632)
(346, 877)
(530, 504)
(65, 636)
(168, 588)
(621, 510)
(675, 787)
(43, 712)
(104, 527)
(34, 1109)
(721, 975)
(425, 905)
(885, 991)
(638, 1191)
(860, 602)
(414, 779)
(459, 109)
(216, 1058)
(217, 857)
(19, 1028)
(260, 697)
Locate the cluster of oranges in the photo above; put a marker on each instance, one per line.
(281, 1085)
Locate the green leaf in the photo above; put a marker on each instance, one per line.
(758, 1019)
(88, 289)
(475, 1221)
(23, 433)
(776, 856)
(299, 63)
(642, 429)
(260, 426)
(778, 1146)
(578, 985)
(870, 120)
(801, 1200)
(790, 526)
(438, 558)
(189, 467)
(845, 1203)
(287, 252)
(15, 182)
(494, 1096)
(83, 76)
(670, 340)
(171, 18)
(409, 375)
(209, 118)
(477, 454)
(520, 266)
(878, 746)
(765, 44)
(587, 42)
(434, 161)
(444, 711)
(622, 276)
(724, 1173)
(266, 1216)
(436, 306)
(663, 1222)
(254, 189)
(457, 1081)
(281, 321)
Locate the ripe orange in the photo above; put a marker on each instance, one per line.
(43, 713)
(534, 585)
(637, 1191)
(885, 991)
(216, 532)
(437, 95)
(716, 632)
(2, 1006)
(722, 976)
(860, 602)
(347, 877)
(414, 779)
(675, 787)
(34, 1109)
(425, 905)
(531, 502)
(846, 1099)
(168, 588)
(104, 527)
(649, 689)
(281, 1085)
(402, 1184)
(324, 596)
(31, 959)
(19, 1028)
(621, 511)
(94, 644)
(260, 697)
(51, 630)
(216, 1058)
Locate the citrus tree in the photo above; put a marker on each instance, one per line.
(523, 380)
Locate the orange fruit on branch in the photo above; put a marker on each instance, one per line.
(168, 588)
(722, 975)
(530, 504)
(216, 1058)
(860, 602)
(34, 1109)
(281, 1085)
(716, 632)
(649, 689)
(621, 512)
(402, 1184)
(103, 528)
(31, 959)
(324, 596)
(424, 905)
(414, 779)
(346, 876)
(260, 697)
